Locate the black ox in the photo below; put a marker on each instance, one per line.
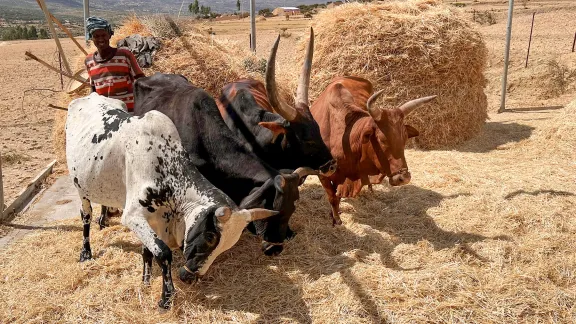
(220, 156)
(287, 139)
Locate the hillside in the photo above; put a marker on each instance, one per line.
(28, 9)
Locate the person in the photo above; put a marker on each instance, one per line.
(112, 70)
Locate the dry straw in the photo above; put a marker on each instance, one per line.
(412, 49)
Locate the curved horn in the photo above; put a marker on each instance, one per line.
(304, 82)
(305, 171)
(374, 112)
(283, 109)
(413, 104)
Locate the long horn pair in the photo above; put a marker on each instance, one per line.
(406, 108)
(288, 112)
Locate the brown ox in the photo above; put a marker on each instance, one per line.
(366, 142)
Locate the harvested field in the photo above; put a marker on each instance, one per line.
(483, 234)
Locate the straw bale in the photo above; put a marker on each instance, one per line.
(412, 49)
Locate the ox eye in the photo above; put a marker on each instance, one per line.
(210, 238)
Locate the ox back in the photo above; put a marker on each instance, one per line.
(219, 155)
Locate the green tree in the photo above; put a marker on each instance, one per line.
(194, 7)
(32, 33)
(43, 34)
(265, 12)
(238, 5)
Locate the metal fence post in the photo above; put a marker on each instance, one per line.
(506, 57)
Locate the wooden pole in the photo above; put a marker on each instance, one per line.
(1, 189)
(61, 77)
(66, 30)
(53, 31)
(35, 58)
(530, 41)
(506, 57)
(86, 15)
(574, 43)
(253, 25)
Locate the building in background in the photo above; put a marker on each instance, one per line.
(284, 11)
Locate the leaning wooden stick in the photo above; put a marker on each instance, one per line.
(35, 58)
(54, 35)
(66, 30)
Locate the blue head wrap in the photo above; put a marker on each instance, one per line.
(94, 23)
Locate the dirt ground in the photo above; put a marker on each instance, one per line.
(483, 234)
(26, 121)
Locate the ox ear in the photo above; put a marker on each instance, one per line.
(258, 214)
(412, 132)
(344, 96)
(276, 127)
(279, 183)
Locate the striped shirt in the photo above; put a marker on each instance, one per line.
(114, 77)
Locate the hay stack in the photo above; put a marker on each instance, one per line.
(412, 49)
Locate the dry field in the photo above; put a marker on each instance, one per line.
(483, 234)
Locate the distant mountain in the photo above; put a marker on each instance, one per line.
(150, 6)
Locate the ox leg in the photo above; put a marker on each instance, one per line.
(135, 220)
(333, 199)
(147, 257)
(103, 219)
(86, 214)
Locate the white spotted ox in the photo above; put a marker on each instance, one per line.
(139, 164)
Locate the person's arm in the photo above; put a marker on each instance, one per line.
(135, 70)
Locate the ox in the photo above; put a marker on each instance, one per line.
(367, 142)
(139, 164)
(287, 140)
(220, 156)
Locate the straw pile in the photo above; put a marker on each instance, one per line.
(468, 242)
(412, 49)
(563, 127)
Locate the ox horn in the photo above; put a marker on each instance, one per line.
(304, 82)
(305, 171)
(413, 104)
(283, 109)
(375, 112)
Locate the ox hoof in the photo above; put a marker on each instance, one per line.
(336, 222)
(164, 305)
(103, 225)
(146, 281)
(85, 255)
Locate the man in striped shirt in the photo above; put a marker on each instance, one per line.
(112, 71)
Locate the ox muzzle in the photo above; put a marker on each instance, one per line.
(328, 168)
(400, 178)
(188, 276)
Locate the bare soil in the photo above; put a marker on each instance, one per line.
(25, 119)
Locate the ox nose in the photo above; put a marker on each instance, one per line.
(400, 179)
(187, 276)
(272, 249)
(329, 168)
